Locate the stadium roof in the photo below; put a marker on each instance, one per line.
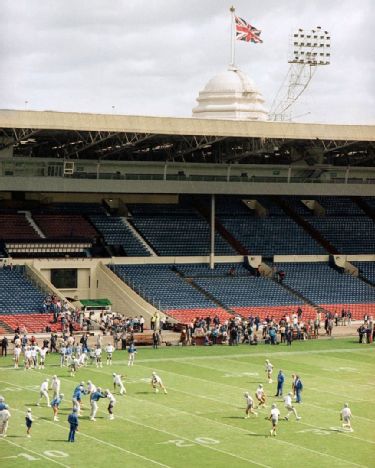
(143, 138)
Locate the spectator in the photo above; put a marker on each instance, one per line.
(4, 346)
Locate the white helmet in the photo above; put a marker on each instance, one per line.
(246, 394)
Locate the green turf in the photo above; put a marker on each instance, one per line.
(200, 422)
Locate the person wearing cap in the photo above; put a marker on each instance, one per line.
(117, 382)
(289, 406)
(260, 396)
(29, 421)
(55, 386)
(73, 423)
(3, 405)
(345, 417)
(249, 405)
(55, 403)
(269, 370)
(157, 382)
(274, 418)
(95, 397)
(280, 383)
(112, 402)
(44, 392)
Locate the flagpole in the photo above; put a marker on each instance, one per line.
(232, 34)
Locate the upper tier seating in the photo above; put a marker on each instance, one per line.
(17, 294)
(16, 227)
(324, 285)
(345, 225)
(65, 226)
(176, 230)
(275, 234)
(115, 232)
(72, 208)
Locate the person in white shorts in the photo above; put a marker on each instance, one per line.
(274, 418)
(91, 388)
(117, 382)
(109, 349)
(55, 386)
(28, 358)
(44, 393)
(83, 359)
(345, 417)
(269, 370)
(42, 353)
(157, 382)
(112, 402)
(289, 406)
(17, 354)
(249, 405)
(4, 421)
(98, 356)
(260, 396)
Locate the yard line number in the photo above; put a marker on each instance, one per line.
(181, 443)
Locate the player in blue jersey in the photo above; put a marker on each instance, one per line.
(131, 352)
(79, 391)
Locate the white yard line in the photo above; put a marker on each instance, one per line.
(33, 452)
(84, 435)
(155, 429)
(229, 425)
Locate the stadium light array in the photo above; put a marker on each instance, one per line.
(311, 47)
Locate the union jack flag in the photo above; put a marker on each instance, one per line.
(246, 32)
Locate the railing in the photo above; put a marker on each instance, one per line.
(187, 172)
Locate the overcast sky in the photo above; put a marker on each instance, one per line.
(152, 57)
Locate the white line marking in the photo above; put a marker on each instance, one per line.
(35, 453)
(154, 429)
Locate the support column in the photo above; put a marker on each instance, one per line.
(212, 250)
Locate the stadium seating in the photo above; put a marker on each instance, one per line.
(176, 230)
(65, 226)
(17, 294)
(14, 226)
(327, 287)
(33, 323)
(366, 270)
(275, 234)
(116, 232)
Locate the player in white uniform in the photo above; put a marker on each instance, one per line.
(17, 354)
(249, 405)
(157, 382)
(63, 355)
(83, 359)
(55, 386)
(28, 358)
(91, 388)
(109, 349)
(289, 406)
(73, 365)
(98, 356)
(345, 417)
(34, 356)
(274, 418)
(260, 396)
(112, 402)
(44, 393)
(269, 370)
(117, 382)
(4, 420)
(42, 353)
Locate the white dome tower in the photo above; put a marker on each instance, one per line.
(230, 95)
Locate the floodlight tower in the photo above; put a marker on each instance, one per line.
(309, 50)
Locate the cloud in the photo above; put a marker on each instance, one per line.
(153, 57)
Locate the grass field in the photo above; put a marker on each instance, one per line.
(200, 422)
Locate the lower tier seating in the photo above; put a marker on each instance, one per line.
(33, 323)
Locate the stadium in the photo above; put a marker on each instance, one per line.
(191, 239)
